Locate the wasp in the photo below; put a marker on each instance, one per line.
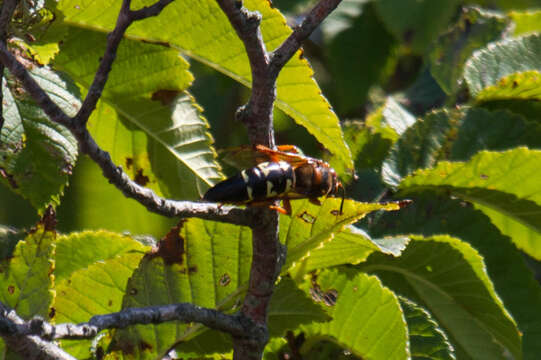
(282, 174)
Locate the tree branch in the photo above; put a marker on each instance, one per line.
(289, 47)
(125, 18)
(29, 347)
(257, 115)
(113, 173)
(184, 312)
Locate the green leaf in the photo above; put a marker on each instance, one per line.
(207, 266)
(457, 135)
(273, 349)
(91, 202)
(159, 135)
(357, 59)
(518, 86)
(449, 276)
(26, 280)
(311, 226)
(291, 307)
(473, 30)
(36, 154)
(505, 4)
(201, 31)
(493, 130)
(490, 179)
(424, 94)
(418, 22)
(341, 18)
(367, 318)
(91, 273)
(524, 237)
(351, 246)
(526, 21)
(43, 38)
(8, 240)
(427, 339)
(433, 214)
(488, 66)
(77, 251)
(422, 145)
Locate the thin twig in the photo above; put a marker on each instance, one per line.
(289, 47)
(125, 18)
(149, 11)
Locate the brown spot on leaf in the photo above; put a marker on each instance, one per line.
(126, 347)
(11, 289)
(515, 84)
(310, 219)
(49, 219)
(225, 280)
(129, 162)
(144, 346)
(140, 178)
(52, 312)
(404, 203)
(190, 270)
(110, 303)
(484, 177)
(171, 246)
(165, 97)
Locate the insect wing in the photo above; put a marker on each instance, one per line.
(247, 156)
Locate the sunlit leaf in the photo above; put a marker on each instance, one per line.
(449, 276)
(27, 275)
(201, 31)
(367, 318)
(473, 30)
(207, 265)
(489, 66)
(92, 271)
(526, 21)
(291, 307)
(310, 226)
(351, 246)
(490, 179)
(37, 154)
(432, 214)
(150, 127)
(427, 339)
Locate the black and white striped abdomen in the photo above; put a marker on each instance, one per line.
(265, 181)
